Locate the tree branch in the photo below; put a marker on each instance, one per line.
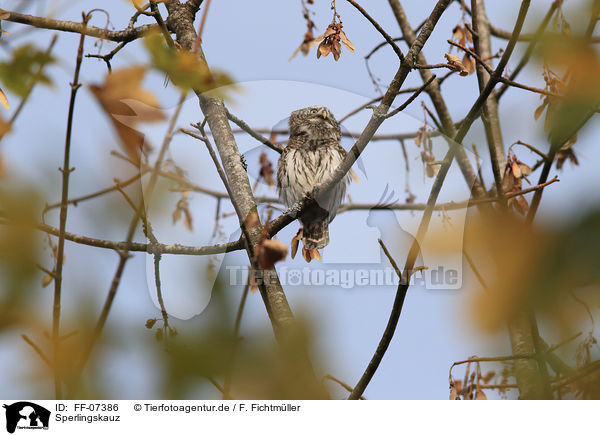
(66, 171)
(70, 26)
(377, 26)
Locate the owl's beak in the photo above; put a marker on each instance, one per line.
(323, 113)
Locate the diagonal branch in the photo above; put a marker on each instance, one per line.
(435, 190)
(377, 26)
(438, 101)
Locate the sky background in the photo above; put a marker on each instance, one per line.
(252, 41)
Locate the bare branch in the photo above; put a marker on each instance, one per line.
(341, 383)
(246, 128)
(70, 26)
(377, 26)
(411, 98)
(66, 171)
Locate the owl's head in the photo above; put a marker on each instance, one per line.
(317, 122)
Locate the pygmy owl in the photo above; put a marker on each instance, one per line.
(312, 154)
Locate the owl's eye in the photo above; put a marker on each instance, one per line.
(314, 111)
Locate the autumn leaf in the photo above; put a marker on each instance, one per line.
(266, 169)
(128, 104)
(540, 110)
(455, 64)
(3, 16)
(183, 207)
(295, 242)
(4, 127)
(346, 41)
(184, 68)
(24, 67)
(138, 4)
(469, 63)
(270, 251)
(150, 323)
(47, 280)
(307, 44)
(4, 100)
(331, 41)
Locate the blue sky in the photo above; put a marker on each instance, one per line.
(253, 45)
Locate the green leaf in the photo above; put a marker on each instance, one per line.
(183, 68)
(25, 66)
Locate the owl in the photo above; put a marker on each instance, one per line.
(312, 154)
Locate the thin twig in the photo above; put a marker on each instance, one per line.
(435, 190)
(38, 350)
(246, 128)
(116, 187)
(531, 47)
(66, 171)
(474, 268)
(378, 99)
(152, 247)
(502, 78)
(411, 98)
(341, 383)
(198, 41)
(236, 334)
(377, 26)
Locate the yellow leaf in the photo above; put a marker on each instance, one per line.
(4, 100)
(137, 4)
(46, 280)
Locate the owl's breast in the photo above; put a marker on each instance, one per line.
(303, 168)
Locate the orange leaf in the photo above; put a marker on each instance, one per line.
(516, 170)
(46, 280)
(127, 104)
(269, 252)
(539, 111)
(295, 242)
(4, 100)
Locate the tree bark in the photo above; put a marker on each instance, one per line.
(299, 375)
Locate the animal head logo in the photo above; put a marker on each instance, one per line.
(27, 415)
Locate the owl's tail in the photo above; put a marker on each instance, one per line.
(316, 234)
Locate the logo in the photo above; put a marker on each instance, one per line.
(26, 415)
